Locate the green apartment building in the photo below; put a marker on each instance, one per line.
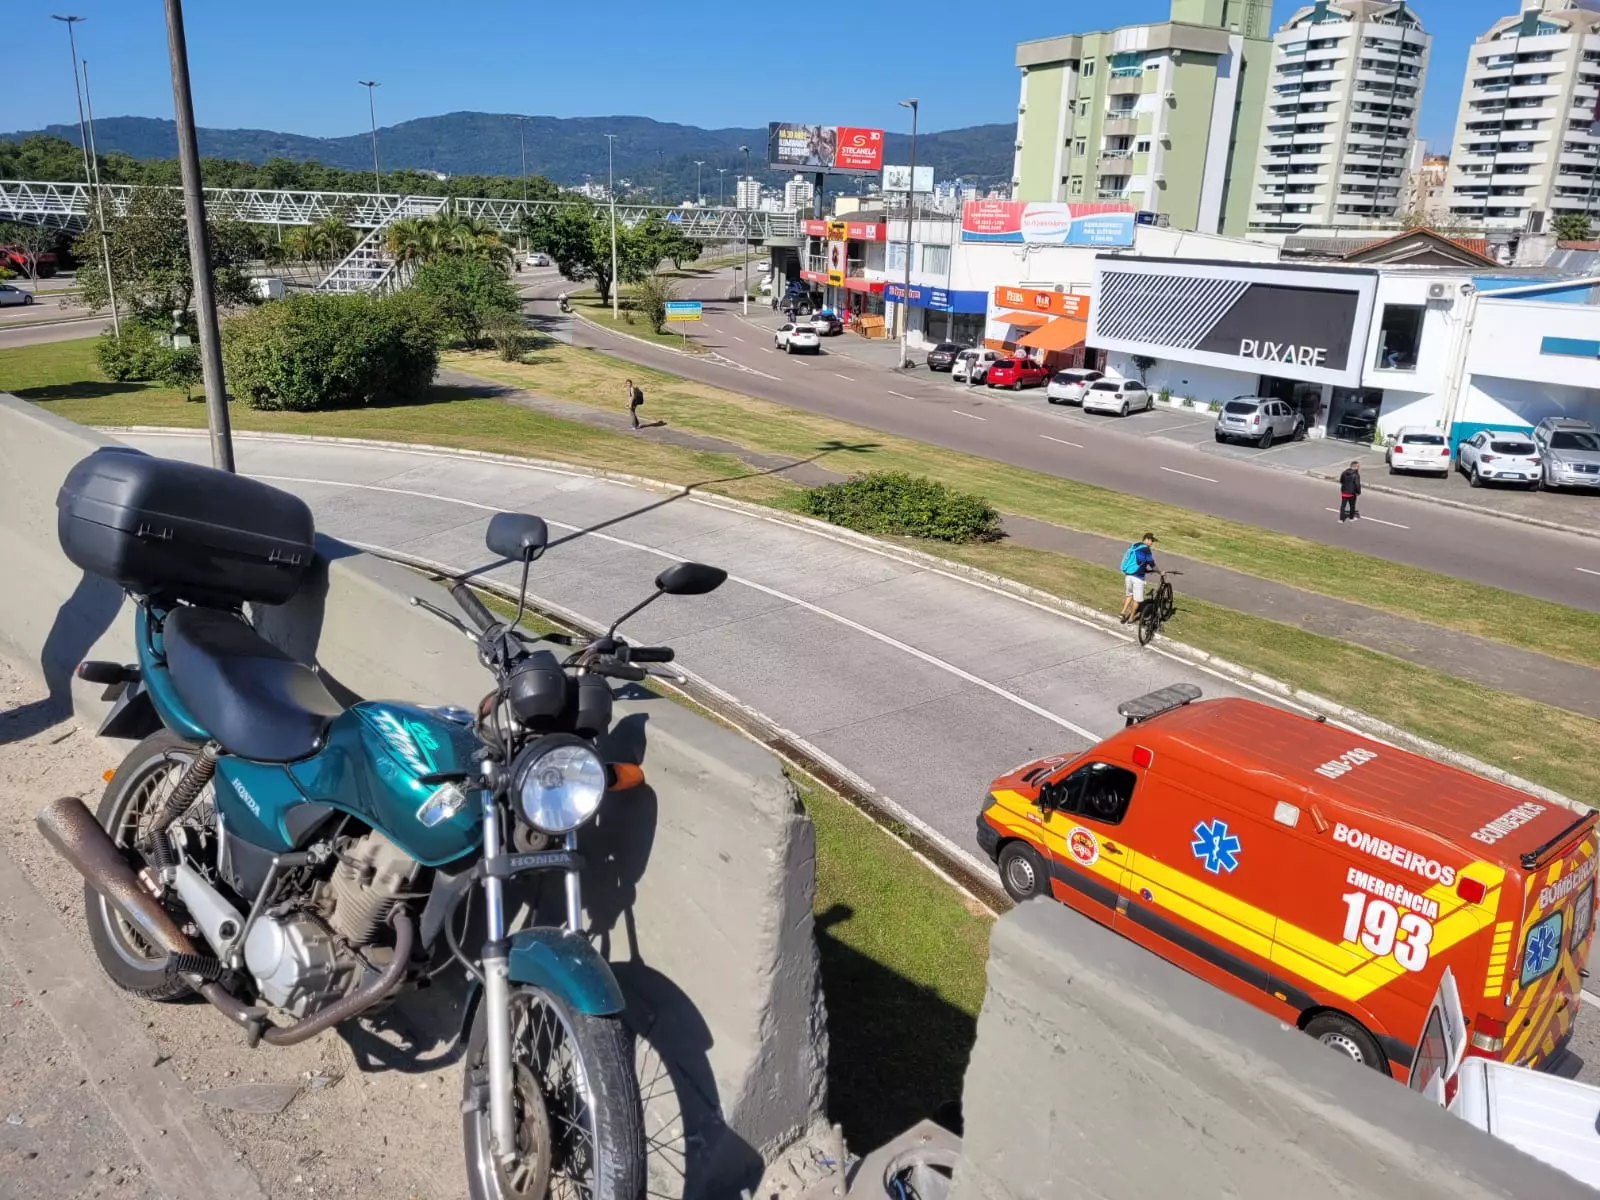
(1166, 117)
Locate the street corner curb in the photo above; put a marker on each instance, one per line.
(182, 1152)
(633, 337)
(1463, 506)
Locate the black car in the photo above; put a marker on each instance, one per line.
(943, 356)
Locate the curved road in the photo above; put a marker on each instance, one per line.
(1564, 568)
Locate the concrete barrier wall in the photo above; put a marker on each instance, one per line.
(1101, 1070)
(699, 885)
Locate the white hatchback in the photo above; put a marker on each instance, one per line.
(1067, 387)
(1498, 457)
(1419, 450)
(972, 366)
(1120, 396)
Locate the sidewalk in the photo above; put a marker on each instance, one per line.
(1504, 668)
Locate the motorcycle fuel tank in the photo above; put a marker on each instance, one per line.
(371, 767)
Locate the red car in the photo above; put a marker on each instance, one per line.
(1017, 373)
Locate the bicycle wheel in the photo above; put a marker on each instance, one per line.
(1149, 621)
(1165, 602)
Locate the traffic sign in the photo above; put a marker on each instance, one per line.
(683, 310)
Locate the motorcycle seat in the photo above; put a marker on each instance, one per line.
(256, 701)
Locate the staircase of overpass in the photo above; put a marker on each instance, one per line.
(370, 267)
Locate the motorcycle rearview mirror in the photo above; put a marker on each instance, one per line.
(520, 537)
(690, 579)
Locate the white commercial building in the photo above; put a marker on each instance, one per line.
(1341, 115)
(747, 193)
(1527, 139)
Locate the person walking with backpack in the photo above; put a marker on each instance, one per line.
(635, 399)
(1349, 492)
(1138, 561)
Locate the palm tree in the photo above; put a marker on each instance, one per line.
(408, 240)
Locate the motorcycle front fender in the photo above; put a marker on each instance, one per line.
(567, 966)
(133, 715)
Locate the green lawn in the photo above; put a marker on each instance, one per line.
(587, 304)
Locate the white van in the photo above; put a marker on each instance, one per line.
(972, 366)
(1549, 1118)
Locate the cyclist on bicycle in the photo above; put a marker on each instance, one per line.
(1138, 561)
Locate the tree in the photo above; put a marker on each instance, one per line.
(1142, 362)
(577, 237)
(31, 240)
(429, 239)
(467, 294)
(652, 297)
(150, 259)
(1574, 227)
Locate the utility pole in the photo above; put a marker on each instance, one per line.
(911, 201)
(194, 211)
(746, 240)
(611, 189)
(699, 196)
(99, 203)
(522, 138)
(722, 195)
(372, 115)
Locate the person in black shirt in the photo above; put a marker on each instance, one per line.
(1349, 492)
(635, 399)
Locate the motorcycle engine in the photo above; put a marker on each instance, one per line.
(305, 958)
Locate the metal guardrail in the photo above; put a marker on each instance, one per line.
(67, 205)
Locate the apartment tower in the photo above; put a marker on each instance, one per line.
(1527, 141)
(1347, 79)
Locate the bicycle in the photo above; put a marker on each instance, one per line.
(1156, 609)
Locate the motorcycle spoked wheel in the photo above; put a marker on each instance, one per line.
(133, 797)
(578, 1117)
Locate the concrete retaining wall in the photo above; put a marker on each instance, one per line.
(1101, 1070)
(700, 885)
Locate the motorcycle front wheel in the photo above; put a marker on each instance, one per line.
(577, 1113)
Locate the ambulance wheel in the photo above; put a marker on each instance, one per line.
(1338, 1032)
(1022, 872)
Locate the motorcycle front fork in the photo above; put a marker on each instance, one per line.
(497, 983)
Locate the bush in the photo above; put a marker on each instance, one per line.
(893, 502)
(467, 293)
(651, 298)
(323, 351)
(137, 354)
(509, 335)
(182, 370)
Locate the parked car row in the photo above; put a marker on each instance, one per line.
(1560, 452)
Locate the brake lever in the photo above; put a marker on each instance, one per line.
(667, 675)
(448, 618)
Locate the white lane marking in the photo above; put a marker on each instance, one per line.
(1201, 478)
(1590, 996)
(1586, 570)
(967, 415)
(895, 643)
(1378, 521)
(846, 378)
(902, 395)
(737, 338)
(768, 350)
(1167, 429)
(1063, 441)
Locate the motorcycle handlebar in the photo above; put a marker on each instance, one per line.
(472, 606)
(616, 670)
(650, 654)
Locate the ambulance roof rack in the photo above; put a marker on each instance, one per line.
(1162, 700)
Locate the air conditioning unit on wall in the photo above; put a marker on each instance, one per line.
(1438, 291)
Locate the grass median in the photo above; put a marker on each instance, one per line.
(631, 322)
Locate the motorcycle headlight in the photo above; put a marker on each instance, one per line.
(558, 784)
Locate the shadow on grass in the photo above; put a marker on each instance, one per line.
(86, 389)
(897, 1052)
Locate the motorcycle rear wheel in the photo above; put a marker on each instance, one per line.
(577, 1106)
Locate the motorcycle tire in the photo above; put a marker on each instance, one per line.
(602, 1065)
(125, 957)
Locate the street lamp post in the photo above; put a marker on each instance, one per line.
(372, 115)
(722, 195)
(194, 212)
(522, 140)
(611, 190)
(699, 195)
(99, 202)
(746, 240)
(911, 201)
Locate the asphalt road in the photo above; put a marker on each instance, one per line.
(1554, 566)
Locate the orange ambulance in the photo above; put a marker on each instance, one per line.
(1324, 877)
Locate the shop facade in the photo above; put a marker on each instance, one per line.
(1049, 325)
(843, 263)
(938, 314)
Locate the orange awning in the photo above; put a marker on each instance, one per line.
(1061, 334)
(1023, 320)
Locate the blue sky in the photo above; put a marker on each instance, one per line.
(712, 63)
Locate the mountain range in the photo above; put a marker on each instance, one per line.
(654, 156)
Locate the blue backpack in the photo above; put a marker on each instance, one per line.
(1130, 559)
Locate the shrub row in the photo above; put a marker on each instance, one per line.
(892, 502)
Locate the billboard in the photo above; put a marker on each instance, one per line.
(1041, 223)
(836, 149)
(898, 179)
(1060, 304)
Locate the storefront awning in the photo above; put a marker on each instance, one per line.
(1061, 334)
(1023, 320)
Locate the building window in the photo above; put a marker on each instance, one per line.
(1400, 336)
(894, 258)
(1142, 146)
(1077, 185)
(936, 260)
(1079, 146)
(1083, 108)
(1088, 68)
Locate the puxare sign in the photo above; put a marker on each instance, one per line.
(1284, 352)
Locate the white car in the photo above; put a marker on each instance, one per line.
(1499, 457)
(1419, 449)
(766, 286)
(792, 337)
(1067, 387)
(1120, 396)
(11, 295)
(972, 366)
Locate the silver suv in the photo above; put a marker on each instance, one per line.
(1570, 449)
(1258, 419)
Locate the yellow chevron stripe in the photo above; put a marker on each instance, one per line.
(1555, 872)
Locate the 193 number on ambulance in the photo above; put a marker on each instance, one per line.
(1373, 922)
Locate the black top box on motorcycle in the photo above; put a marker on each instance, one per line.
(183, 532)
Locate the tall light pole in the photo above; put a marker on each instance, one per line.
(911, 201)
(522, 139)
(611, 190)
(746, 240)
(99, 201)
(194, 212)
(699, 196)
(372, 115)
(90, 166)
(722, 195)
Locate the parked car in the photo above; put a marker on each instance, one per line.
(827, 324)
(1259, 419)
(1498, 456)
(1419, 450)
(766, 286)
(1016, 374)
(1120, 396)
(538, 260)
(943, 356)
(1570, 452)
(972, 366)
(1067, 387)
(792, 337)
(13, 295)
